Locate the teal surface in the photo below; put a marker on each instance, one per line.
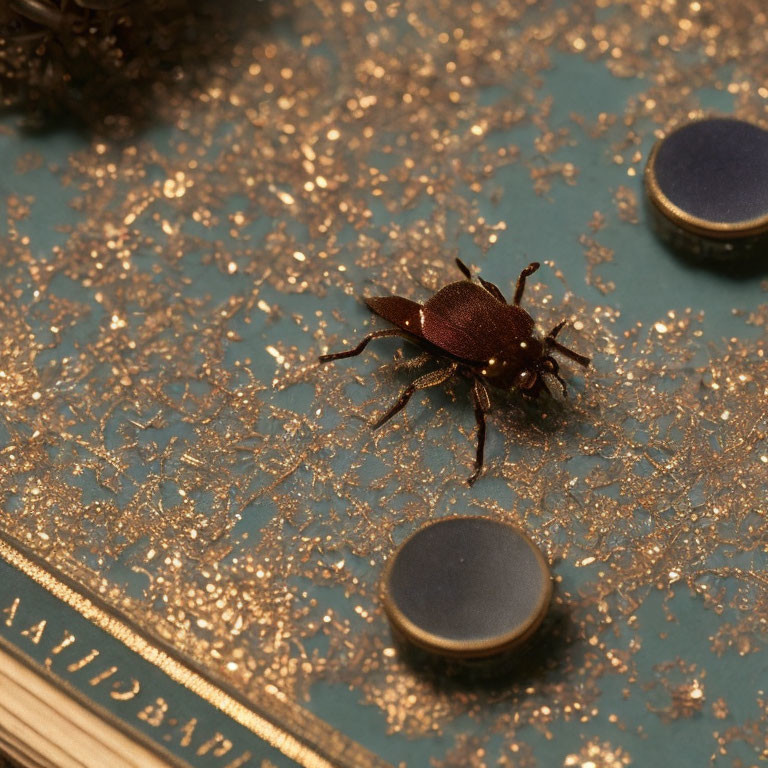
(293, 482)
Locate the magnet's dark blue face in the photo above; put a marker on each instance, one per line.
(715, 169)
(469, 579)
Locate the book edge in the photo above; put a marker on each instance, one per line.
(77, 733)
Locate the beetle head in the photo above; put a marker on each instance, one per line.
(524, 367)
(531, 380)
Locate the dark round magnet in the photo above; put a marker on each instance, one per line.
(707, 182)
(468, 587)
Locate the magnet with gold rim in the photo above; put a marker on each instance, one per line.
(707, 185)
(466, 588)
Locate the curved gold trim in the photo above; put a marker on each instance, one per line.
(461, 648)
(720, 230)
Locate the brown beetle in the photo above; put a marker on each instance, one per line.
(476, 333)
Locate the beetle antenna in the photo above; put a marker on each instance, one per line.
(490, 287)
(527, 272)
(463, 268)
(550, 341)
(559, 327)
(575, 356)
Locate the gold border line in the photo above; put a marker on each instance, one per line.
(291, 746)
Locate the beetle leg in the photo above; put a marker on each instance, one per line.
(414, 362)
(482, 404)
(562, 383)
(427, 380)
(481, 396)
(527, 272)
(363, 344)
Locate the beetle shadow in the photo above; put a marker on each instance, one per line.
(533, 419)
(117, 89)
(543, 656)
(546, 415)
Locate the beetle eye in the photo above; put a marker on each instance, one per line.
(525, 379)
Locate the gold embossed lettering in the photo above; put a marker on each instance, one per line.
(10, 611)
(84, 662)
(35, 632)
(103, 675)
(218, 743)
(187, 730)
(153, 714)
(125, 695)
(66, 641)
(238, 762)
